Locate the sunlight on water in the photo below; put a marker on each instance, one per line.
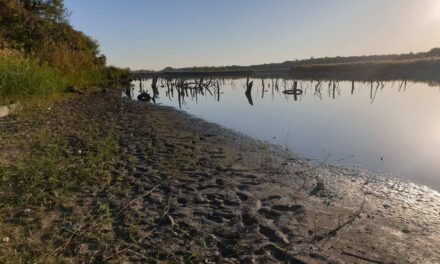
(391, 128)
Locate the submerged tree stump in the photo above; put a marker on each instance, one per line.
(248, 92)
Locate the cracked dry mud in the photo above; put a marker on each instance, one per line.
(190, 191)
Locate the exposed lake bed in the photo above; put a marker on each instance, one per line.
(185, 190)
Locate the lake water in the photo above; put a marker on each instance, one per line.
(391, 128)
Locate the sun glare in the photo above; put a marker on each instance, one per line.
(435, 10)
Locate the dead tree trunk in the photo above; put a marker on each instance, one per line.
(248, 92)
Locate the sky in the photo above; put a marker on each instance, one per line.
(154, 34)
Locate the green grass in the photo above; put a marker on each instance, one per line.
(22, 77)
(53, 168)
(46, 169)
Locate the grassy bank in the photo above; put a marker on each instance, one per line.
(22, 77)
(427, 69)
(46, 157)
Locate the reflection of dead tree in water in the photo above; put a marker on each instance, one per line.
(335, 88)
(379, 84)
(218, 91)
(141, 86)
(352, 87)
(262, 89)
(154, 88)
(318, 88)
(179, 99)
(248, 92)
(402, 84)
(191, 89)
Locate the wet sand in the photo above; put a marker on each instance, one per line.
(184, 190)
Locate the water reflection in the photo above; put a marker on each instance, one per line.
(391, 127)
(193, 88)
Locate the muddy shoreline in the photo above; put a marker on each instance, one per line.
(184, 190)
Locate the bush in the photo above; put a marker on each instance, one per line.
(20, 76)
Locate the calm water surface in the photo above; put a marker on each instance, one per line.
(391, 128)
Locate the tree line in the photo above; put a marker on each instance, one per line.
(39, 30)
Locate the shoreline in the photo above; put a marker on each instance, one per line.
(185, 190)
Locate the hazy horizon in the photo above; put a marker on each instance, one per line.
(152, 35)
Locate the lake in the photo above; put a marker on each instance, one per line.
(391, 128)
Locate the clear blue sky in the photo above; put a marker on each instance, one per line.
(153, 34)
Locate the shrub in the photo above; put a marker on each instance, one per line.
(21, 77)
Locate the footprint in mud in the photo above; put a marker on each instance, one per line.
(243, 187)
(215, 218)
(229, 202)
(182, 201)
(214, 196)
(250, 183)
(248, 176)
(271, 214)
(186, 187)
(297, 208)
(227, 249)
(280, 254)
(224, 215)
(220, 182)
(243, 197)
(274, 197)
(273, 235)
(205, 187)
(248, 219)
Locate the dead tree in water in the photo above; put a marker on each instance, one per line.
(154, 88)
(248, 92)
(218, 91)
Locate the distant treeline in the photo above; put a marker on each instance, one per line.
(287, 65)
(422, 69)
(39, 48)
(423, 66)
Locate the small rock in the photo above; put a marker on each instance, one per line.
(4, 111)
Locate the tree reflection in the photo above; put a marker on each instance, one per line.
(184, 89)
